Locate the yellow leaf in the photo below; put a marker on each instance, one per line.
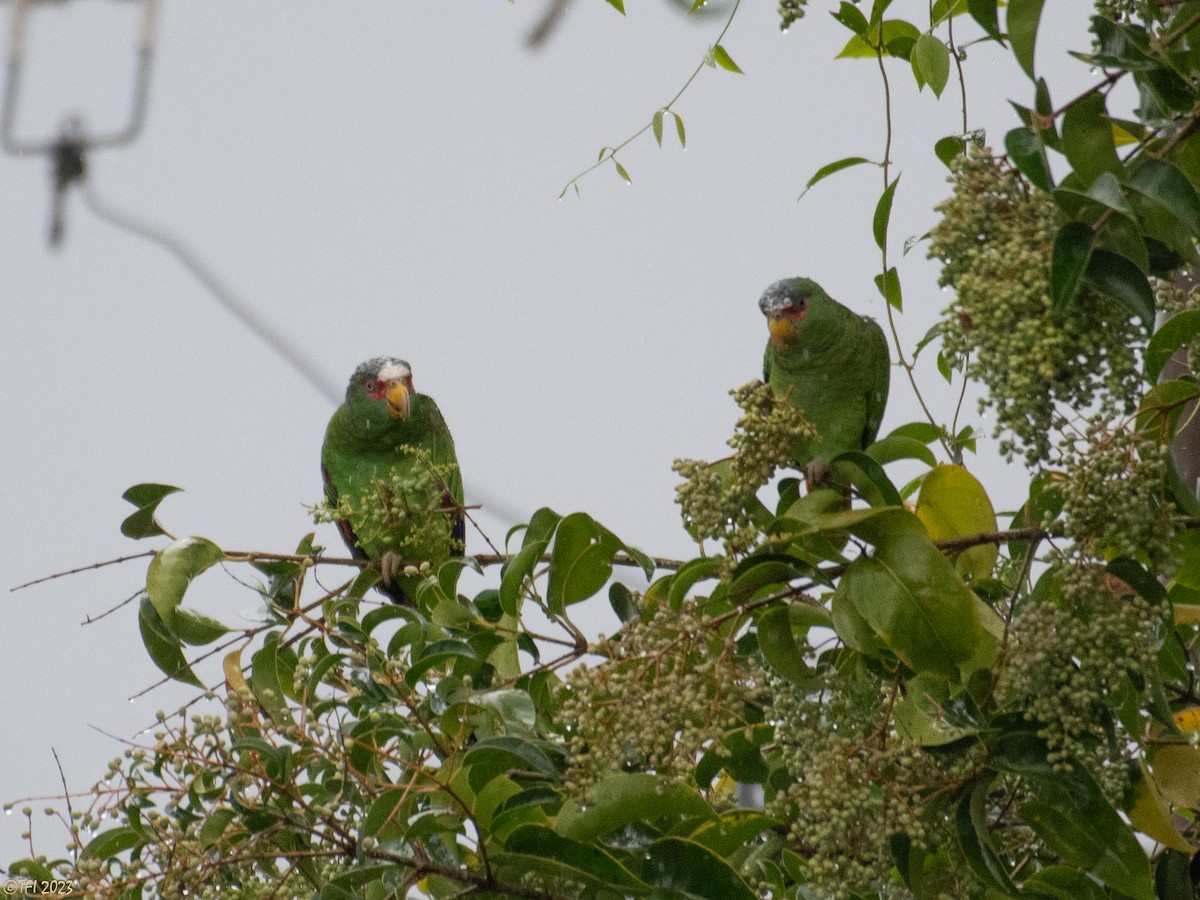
(1176, 770)
(1149, 814)
(953, 503)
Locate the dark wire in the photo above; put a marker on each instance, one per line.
(293, 355)
(297, 358)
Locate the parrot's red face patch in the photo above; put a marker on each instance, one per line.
(377, 387)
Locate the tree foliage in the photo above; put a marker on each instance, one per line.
(933, 703)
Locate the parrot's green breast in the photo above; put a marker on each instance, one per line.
(831, 363)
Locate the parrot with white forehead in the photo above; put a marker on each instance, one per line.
(829, 362)
(389, 447)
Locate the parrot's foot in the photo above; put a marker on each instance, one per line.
(817, 474)
(391, 566)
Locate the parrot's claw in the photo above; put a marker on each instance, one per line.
(391, 565)
(817, 474)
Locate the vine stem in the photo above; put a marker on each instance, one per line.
(610, 153)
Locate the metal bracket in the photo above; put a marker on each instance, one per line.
(12, 88)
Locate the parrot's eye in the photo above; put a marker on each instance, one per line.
(802, 304)
(369, 385)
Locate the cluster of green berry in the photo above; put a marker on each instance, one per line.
(716, 499)
(854, 783)
(1113, 493)
(1075, 655)
(1171, 299)
(995, 241)
(790, 11)
(405, 513)
(670, 687)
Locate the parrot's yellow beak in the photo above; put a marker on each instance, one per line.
(781, 328)
(397, 401)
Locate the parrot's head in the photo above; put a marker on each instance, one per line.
(792, 306)
(381, 387)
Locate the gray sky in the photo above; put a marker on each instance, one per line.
(380, 177)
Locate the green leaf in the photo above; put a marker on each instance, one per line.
(868, 477)
(949, 148)
(581, 561)
(1023, 18)
(272, 679)
(688, 575)
(1176, 332)
(618, 5)
(215, 825)
(849, 15)
(164, 648)
(621, 799)
(931, 58)
(895, 36)
(984, 12)
(109, 843)
(1069, 813)
(435, 655)
(656, 125)
(384, 811)
(684, 868)
(1029, 156)
(679, 130)
(888, 285)
(571, 860)
(971, 826)
(1117, 277)
(146, 498)
(893, 447)
(1063, 883)
(493, 756)
(172, 570)
(1087, 137)
(883, 212)
(778, 645)
(515, 571)
(195, 628)
(1072, 252)
(620, 168)
(1164, 184)
(910, 596)
(830, 168)
(722, 58)
(1160, 408)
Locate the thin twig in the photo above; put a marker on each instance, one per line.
(99, 565)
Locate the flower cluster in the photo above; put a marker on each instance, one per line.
(670, 687)
(995, 241)
(716, 498)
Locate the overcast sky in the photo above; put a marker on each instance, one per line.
(381, 178)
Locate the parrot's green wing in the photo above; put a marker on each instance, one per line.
(881, 370)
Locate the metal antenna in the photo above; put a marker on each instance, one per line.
(12, 88)
(68, 152)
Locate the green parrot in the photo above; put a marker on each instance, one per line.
(829, 362)
(389, 454)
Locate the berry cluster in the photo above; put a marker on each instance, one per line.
(402, 512)
(716, 499)
(670, 687)
(1073, 658)
(995, 241)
